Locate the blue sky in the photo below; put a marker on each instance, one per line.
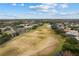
(39, 11)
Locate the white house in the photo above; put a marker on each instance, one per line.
(8, 30)
(77, 38)
(72, 32)
(1, 29)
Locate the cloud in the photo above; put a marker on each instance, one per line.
(51, 5)
(63, 13)
(54, 10)
(22, 4)
(14, 4)
(64, 5)
(40, 7)
(69, 13)
(45, 7)
(49, 10)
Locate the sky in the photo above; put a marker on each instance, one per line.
(39, 11)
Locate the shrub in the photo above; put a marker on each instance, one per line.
(5, 37)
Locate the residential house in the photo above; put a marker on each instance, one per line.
(72, 33)
(77, 38)
(60, 26)
(8, 30)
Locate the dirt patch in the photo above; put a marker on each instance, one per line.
(41, 41)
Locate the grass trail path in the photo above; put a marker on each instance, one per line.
(41, 41)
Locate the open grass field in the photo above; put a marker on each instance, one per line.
(39, 42)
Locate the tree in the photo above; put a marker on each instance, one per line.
(5, 37)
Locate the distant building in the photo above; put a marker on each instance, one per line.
(72, 32)
(8, 30)
(1, 30)
(77, 38)
(20, 28)
(67, 29)
(60, 26)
